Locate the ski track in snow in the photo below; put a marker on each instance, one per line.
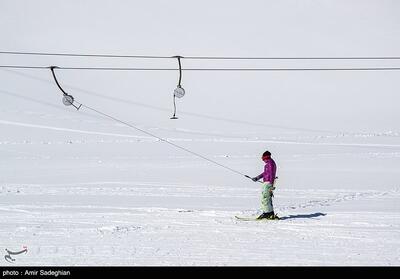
(221, 138)
(181, 190)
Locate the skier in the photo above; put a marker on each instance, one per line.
(268, 186)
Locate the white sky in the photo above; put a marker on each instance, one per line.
(356, 101)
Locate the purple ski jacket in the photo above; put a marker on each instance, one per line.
(269, 173)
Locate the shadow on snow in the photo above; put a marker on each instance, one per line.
(312, 215)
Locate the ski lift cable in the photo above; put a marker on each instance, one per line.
(85, 55)
(290, 58)
(206, 69)
(162, 139)
(199, 57)
(69, 100)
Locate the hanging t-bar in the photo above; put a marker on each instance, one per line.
(68, 99)
(179, 92)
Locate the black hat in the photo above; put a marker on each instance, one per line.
(266, 153)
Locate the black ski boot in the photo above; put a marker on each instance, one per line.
(268, 215)
(273, 216)
(265, 215)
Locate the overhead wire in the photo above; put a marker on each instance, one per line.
(84, 55)
(163, 140)
(95, 55)
(204, 69)
(200, 57)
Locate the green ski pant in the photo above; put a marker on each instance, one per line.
(266, 197)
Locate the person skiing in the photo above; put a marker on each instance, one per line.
(269, 176)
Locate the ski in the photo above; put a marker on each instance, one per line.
(247, 218)
(252, 218)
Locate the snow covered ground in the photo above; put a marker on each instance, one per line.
(78, 189)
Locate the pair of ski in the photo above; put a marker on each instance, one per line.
(255, 218)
